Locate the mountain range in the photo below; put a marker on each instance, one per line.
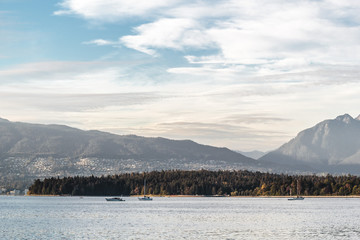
(330, 146)
(29, 151)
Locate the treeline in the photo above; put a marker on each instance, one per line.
(203, 182)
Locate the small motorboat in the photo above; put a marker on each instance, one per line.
(145, 198)
(296, 198)
(115, 199)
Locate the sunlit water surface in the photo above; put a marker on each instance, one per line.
(178, 218)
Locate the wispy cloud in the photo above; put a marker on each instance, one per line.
(219, 134)
(77, 102)
(101, 42)
(73, 77)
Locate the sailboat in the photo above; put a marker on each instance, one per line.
(298, 197)
(145, 198)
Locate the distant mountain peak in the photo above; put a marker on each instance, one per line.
(332, 145)
(3, 120)
(346, 118)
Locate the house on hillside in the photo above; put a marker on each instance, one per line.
(15, 192)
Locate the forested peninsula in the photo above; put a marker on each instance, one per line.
(202, 182)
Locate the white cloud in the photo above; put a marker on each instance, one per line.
(111, 10)
(275, 36)
(174, 33)
(100, 42)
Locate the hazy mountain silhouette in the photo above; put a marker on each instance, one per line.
(330, 146)
(253, 154)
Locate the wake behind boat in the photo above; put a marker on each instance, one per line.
(115, 199)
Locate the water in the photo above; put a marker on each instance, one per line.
(178, 218)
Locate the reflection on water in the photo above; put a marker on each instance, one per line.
(178, 218)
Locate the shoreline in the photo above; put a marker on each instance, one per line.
(197, 196)
(209, 196)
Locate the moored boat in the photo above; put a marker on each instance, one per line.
(114, 199)
(145, 198)
(298, 188)
(296, 198)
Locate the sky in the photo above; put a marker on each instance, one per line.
(247, 75)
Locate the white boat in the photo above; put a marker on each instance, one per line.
(115, 199)
(145, 198)
(298, 197)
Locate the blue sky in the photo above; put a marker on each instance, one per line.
(241, 74)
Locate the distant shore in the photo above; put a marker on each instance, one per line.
(217, 196)
(201, 196)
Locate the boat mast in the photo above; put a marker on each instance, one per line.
(298, 187)
(144, 186)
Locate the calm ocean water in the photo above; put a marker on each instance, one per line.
(178, 218)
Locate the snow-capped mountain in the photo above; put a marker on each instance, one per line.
(332, 145)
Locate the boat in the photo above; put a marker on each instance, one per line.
(115, 199)
(298, 197)
(145, 198)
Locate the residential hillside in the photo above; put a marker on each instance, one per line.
(29, 151)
